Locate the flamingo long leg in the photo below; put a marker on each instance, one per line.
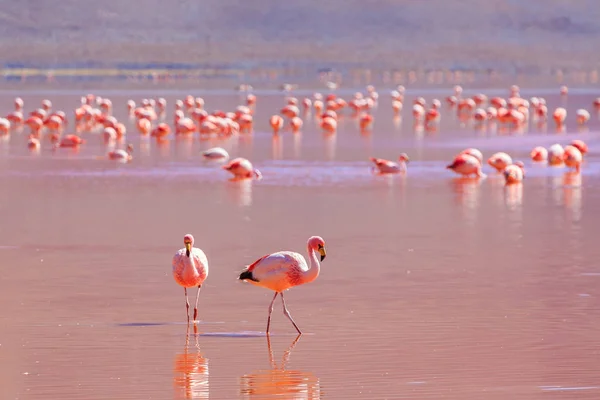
(270, 311)
(196, 308)
(187, 305)
(287, 314)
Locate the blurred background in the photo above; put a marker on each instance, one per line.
(366, 40)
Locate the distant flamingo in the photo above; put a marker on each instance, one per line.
(242, 168)
(283, 270)
(572, 157)
(539, 154)
(390, 167)
(466, 164)
(559, 115)
(514, 173)
(33, 143)
(500, 161)
(296, 124)
(190, 268)
(122, 155)
(555, 154)
(276, 123)
(475, 153)
(583, 116)
(580, 144)
(329, 125)
(216, 153)
(70, 141)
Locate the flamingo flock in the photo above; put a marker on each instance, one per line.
(190, 117)
(280, 271)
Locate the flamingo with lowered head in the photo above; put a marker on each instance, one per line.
(283, 270)
(242, 168)
(390, 167)
(190, 268)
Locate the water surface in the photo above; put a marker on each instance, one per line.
(434, 286)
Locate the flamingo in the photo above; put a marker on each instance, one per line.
(466, 164)
(242, 168)
(276, 123)
(559, 115)
(500, 161)
(583, 116)
(70, 141)
(539, 153)
(283, 270)
(190, 268)
(296, 124)
(555, 154)
(390, 167)
(216, 153)
(33, 143)
(475, 153)
(581, 146)
(572, 157)
(514, 173)
(122, 155)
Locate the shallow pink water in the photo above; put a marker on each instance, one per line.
(433, 286)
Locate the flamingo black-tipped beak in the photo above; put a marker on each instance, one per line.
(188, 248)
(322, 252)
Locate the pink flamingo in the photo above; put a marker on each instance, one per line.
(190, 268)
(466, 164)
(122, 155)
(555, 154)
(276, 123)
(581, 146)
(539, 154)
(242, 168)
(499, 161)
(390, 167)
(283, 270)
(514, 173)
(572, 157)
(583, 116)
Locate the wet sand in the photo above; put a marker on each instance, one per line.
(433, 286)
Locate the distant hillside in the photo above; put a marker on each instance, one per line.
(431, 33)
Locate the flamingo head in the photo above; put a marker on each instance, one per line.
(404, 157)
(317, 243)
(129, 148)
(188, 240)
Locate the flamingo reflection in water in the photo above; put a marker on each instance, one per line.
(191, 371)
(279, 381)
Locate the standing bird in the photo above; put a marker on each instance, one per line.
(283, 270)
(190, 268)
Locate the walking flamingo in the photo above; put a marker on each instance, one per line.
(190, 268)
(283, 270)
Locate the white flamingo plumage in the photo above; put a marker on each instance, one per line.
(216, 153)
(190, 268)
(283, 270)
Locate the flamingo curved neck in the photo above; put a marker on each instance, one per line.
(314, 266)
